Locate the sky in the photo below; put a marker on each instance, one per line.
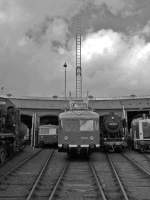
(38, 36)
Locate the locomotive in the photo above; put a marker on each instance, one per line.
(12, 131)
(113, 132)
(140, 133)
(78, 130)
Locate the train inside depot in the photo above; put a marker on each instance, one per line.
(140, 133)
(78, 129)
(47, 135)
(12, 131)
(113, 132)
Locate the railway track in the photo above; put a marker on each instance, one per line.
(112, 185)
(10, 157)
(16, 183)
(80, 180)
(49, 175)
(43, 184)
(73, 182)
(141, 159)
(135, 178)
(16, 160)
(77, 180)
(17, 166)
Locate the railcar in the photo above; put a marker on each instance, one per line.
(78, 131)
(47, 135)
(140, 134)
(113, 132)
(11, 131)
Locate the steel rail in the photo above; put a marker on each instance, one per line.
(138, 166)
(58, 181)
(19, 165)
(39, 176)
(118, 179)
(99, 185)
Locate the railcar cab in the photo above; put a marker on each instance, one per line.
(140, 133)
(78, 129)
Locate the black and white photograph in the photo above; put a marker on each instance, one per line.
(74, 99)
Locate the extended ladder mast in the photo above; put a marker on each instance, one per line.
(78, 63)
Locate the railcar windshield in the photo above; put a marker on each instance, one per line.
(146, 129)
(47, 131)
(76, 125)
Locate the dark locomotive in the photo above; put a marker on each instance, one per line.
(12, 131)
(113, 132)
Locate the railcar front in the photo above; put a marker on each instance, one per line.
(47, 135)
(140, 134)
(78, 131)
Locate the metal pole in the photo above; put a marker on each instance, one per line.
(65, 66)
(65, 83)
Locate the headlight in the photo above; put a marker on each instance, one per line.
(66, 138)
(91, 138)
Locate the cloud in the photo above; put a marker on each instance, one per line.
(103, 43)
(37, 37)
(11, 12)
(116, 61)
(125, 8)
(51, 31)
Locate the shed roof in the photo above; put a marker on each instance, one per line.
(86, 114)
(39, 103)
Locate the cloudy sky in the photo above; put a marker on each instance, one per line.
(38, 36)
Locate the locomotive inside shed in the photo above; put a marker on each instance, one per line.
(135, 114)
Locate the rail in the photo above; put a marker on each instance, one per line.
(58, 181)
(19, 165)
(118, 179)
(39, 177)
(99, 185)
(138, 166)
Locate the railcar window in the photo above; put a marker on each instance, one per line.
(79, 125)
(47, 131)
(89, 125)
(70, 125)
(96, 125)
(86, 125)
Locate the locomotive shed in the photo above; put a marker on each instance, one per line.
(47, 174)
(48, 109)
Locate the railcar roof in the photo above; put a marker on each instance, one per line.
(76, 114)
